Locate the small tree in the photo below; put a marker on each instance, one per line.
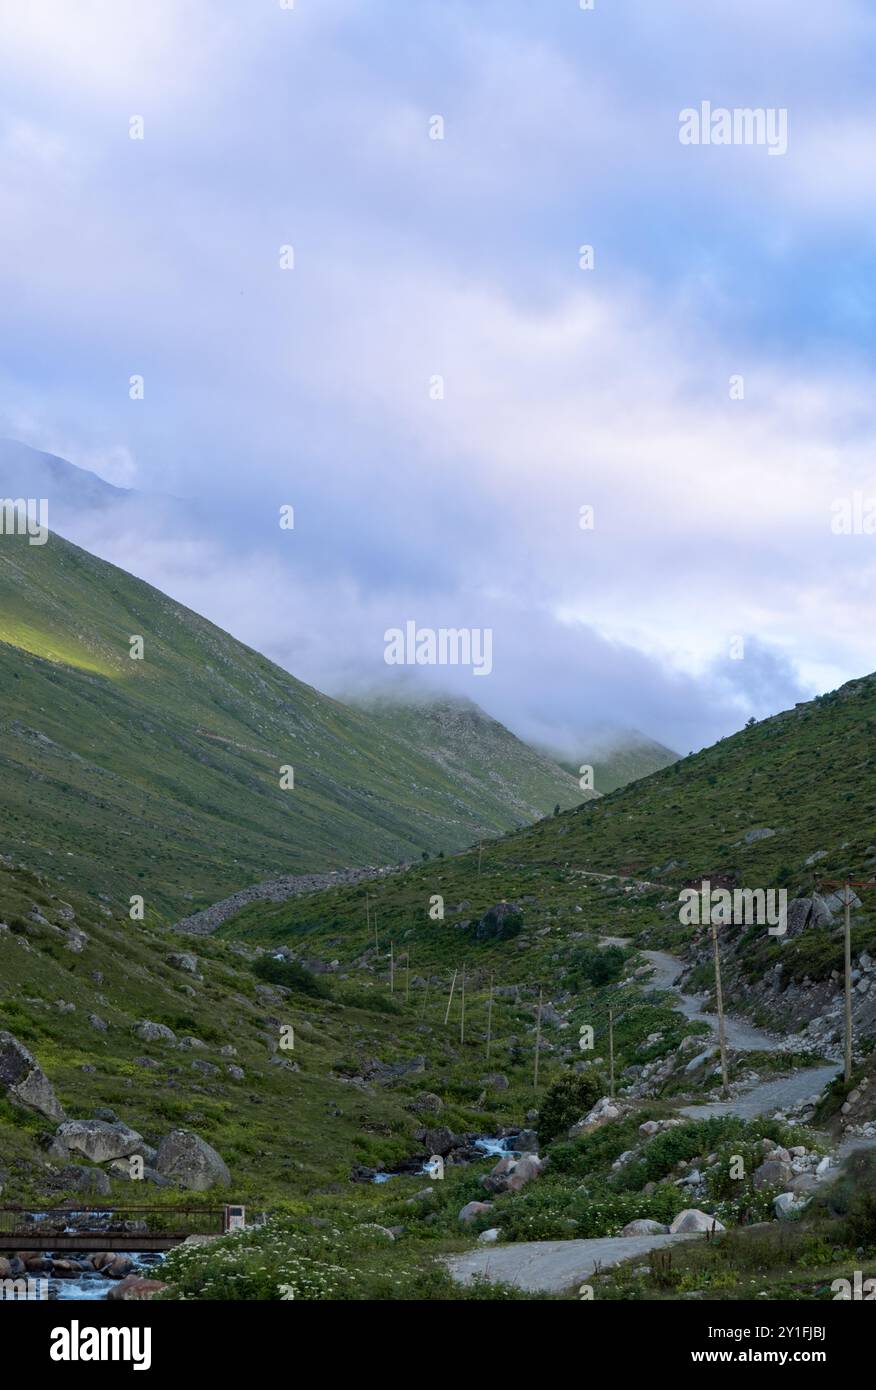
(566, 1101)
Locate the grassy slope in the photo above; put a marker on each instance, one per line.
(285, 1134)
(807, 774)
(162, 775)
(479, 752)
(616, 765)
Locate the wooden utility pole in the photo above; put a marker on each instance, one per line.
(847, 885)
(611, 1053)
(719, 1002)
(537, 1041)
(426, 996)
(489, 1017)
(848, 987)
(462, 1013)
(450, 998)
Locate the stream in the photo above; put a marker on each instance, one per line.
(90, 1285)
(490, 1146)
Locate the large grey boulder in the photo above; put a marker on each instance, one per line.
(472, 1210)
(644, 1226)
(510, 1175)
(687, 1222)
(437, 1141)
(23, 1080)
(81, 1179)
(99, 1140)
(787, 1205)
(773, 1173)
(526, 1142)
(190, 1161)
(154, 1032)
(184, 960)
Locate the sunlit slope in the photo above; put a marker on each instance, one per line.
(162, 775)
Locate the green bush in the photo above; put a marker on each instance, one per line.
(596, 1151)
(566, 1101)
(278, 971)
(592, 965)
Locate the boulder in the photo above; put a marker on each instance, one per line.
(774, 1173)
(154, 1032)
(787, 1205)
(488, 1237)
(603, 1111)
(701, 1059)
(751, 837)
(692, 1220)
(496, 1080)
(526, 1142)
(472, 1210)
(437, 1141)
(82, 1179)
(644, 1226)
(23, 1080)
(510, 1175)
(190, 1161)
(499, 923)
(183, 960)
(99, 1140)
(134, 1288)
(428, 1102)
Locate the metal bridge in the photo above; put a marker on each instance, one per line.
(90, 1227)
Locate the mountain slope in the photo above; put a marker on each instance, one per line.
(476, 750)
(778, 805)
(162, 775)
(618, 758)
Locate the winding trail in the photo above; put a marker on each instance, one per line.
(767, 1096)
(552, 1266)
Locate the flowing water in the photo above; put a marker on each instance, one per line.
(490, 1146)
(91, 1286)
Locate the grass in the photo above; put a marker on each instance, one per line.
(163, 775)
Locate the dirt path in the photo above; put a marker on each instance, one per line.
(768, 1096)
(551, 1266)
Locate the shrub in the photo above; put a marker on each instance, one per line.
(566, 1101)
(597, 966)
(279, 971)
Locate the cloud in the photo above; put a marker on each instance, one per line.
(459, 258)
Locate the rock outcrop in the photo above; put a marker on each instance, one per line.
(23, 1080)
(191, 1162)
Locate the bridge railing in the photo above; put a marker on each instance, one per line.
(89, 1217)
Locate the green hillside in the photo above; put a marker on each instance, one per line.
(619, 760)
(387, 1063)
(478, 752)
(162, 775)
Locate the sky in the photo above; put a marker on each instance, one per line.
(707, 387)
